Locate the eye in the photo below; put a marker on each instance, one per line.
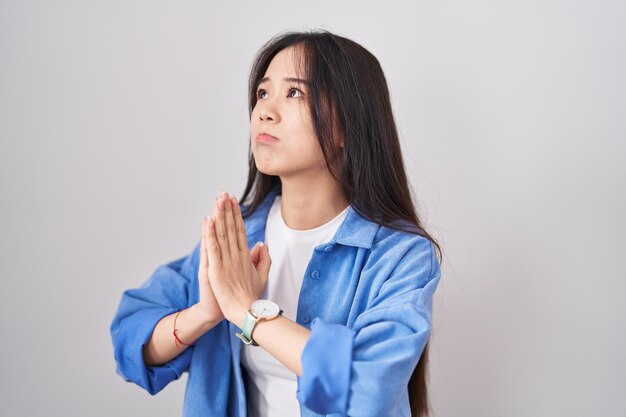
(296, 90)
(260, 92)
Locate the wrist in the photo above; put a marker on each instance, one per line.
(261, 310)
(237, 312)
(205, 320)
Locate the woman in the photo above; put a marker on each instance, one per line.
(347, 316)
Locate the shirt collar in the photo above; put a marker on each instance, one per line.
(355, 230)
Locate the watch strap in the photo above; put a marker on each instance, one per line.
(249, 321)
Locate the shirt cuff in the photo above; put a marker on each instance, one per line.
(324, 386)
(135, 332)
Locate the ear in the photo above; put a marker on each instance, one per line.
(342, 140)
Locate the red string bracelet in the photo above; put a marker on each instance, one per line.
(176, 339)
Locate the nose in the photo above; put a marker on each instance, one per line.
(263, 115)
(268, 113)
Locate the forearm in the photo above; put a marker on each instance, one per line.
(281, 338)
(162, 346)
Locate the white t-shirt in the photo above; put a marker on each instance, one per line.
(271, 388)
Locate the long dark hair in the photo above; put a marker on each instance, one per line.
(348, 96)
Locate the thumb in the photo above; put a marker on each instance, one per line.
(255, 255)
(265, 261)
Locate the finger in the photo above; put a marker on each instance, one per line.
(204, 259)
(231, 229)
(242, 239)
(203, 272)
(265, 261)
(255, 255)
(220, 231)
(212, 246)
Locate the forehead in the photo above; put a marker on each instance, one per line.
(286, 63)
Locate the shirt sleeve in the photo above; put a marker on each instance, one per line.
(139, 311)
(367, 370)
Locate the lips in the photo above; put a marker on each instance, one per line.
(264, 137)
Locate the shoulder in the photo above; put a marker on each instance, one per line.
(387, 246)
(393, 243)
(399, 266)
(404, 253)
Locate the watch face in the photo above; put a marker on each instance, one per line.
(265, 308)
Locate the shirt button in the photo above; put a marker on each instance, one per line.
(328, 248)
(315, 274)
(305, 318)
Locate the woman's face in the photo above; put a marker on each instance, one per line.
(282, 111)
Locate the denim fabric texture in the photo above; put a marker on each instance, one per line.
(366, 297)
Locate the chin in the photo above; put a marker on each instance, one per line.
(267, 169)
(266, 172)
(268, 164)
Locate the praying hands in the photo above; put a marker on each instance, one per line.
(230, 277)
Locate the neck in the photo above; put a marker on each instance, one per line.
(309, 202)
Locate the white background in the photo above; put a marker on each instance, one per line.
(120, 121)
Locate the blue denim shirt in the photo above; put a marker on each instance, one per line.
(366, 297)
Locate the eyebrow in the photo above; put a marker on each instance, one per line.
(291, 79)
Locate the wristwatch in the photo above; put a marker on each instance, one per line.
(259, 310)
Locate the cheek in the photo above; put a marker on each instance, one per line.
(309, 152)
(309, 148)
